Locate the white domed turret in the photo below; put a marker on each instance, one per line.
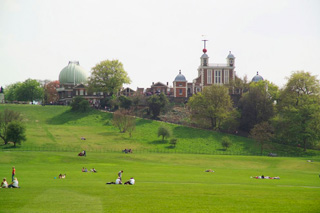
(73, 74)
(230, 59)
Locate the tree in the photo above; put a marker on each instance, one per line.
(50, 92)
(80, 104)
(226, 142)
(16, 132)
(29, 90)
(257, 105)
(124, 121)
(6, 117)
(298, 119)
(164, 132)
(108, 77)
(262, 133)
(10, 91)
(157, 103)
(125, 102)
(211, 106)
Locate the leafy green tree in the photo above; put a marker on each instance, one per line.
(298, 119)
(211, 106)
(257, 105)
(29, 90)
(6, 117)
(164, 132)
(80, 104)
(10, 91)
(157, 103)
(262, 133)
(108, 77)
(16, 132)
(125, 102)
(226, 142)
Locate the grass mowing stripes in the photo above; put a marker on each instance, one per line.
(164, 183)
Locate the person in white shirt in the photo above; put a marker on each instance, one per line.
(130, 182)
(4, 183)
(14, 184)
(118, 181)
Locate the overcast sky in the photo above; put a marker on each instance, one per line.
(156, 39)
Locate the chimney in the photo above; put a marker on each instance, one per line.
(167, 83)
(152, 83)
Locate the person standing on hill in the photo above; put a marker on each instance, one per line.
(120, 174)
(13, 173)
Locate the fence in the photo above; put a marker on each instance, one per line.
(164, 151)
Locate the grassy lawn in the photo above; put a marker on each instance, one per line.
(168, 179)
(164, 183)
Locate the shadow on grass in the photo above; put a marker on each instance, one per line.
(158, 142)
(143, 122)
(67, 116)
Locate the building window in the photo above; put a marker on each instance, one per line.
(180, 91)
(209, 77)
(81, 92)
(217, 77)
(226, 76)
(180, 85)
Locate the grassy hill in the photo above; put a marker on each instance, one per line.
(56, 128)
(164, 182)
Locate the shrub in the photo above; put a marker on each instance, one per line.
(173, 142)
(226, 142)
(80, 104)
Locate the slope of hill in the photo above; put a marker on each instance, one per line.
(56, 128)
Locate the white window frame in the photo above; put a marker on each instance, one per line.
(209, 77)
(226, 76)
(217, 77)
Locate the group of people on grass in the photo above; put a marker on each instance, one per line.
(86, 170)
(119, 180)
(15, 182)
(265, 177)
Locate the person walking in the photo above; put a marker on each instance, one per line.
(120, 174)
(13, 173)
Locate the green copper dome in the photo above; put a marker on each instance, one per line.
(73, 74)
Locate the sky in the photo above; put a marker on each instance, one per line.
(155, 39)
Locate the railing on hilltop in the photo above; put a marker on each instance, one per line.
(164, 151)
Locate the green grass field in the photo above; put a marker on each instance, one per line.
(165, 182)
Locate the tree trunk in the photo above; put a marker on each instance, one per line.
(304, 145)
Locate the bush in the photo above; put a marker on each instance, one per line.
(226, 142)
(80, 104)
(173, 142)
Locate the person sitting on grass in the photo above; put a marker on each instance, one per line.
(14, 184)
(118, 181)
(93, 170)
(4, 183)
(130, 182)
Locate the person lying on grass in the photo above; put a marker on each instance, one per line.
(130, 182)
(265, 177)
(14, 184)
(4, 183)
(118, 181)
(61, 176)
(93, 170)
